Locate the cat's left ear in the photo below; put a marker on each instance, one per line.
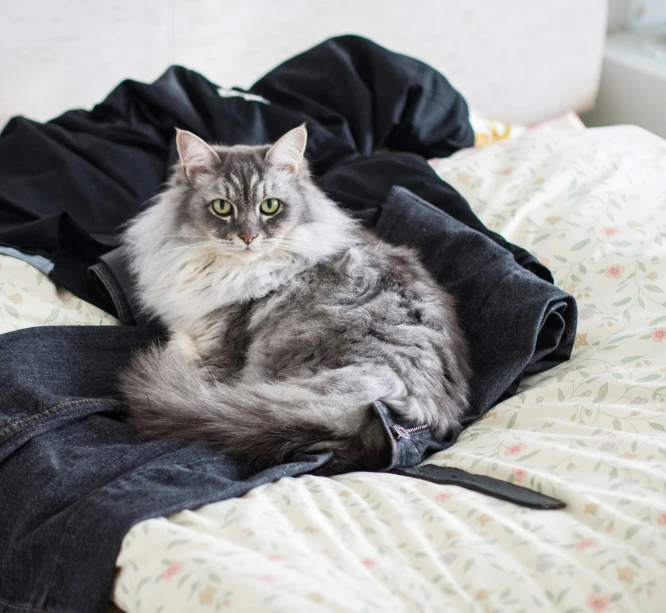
(287, 152)
(195, 155)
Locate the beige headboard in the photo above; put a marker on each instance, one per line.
(520, 60)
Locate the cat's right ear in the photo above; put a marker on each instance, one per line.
(195, 155)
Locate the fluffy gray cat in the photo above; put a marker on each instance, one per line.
(286, 319)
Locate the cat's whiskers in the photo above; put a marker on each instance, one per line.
(185, 248)
(293, 241)
(288, 244)
(205, 238)
(296, 246)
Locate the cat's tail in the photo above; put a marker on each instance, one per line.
(170, 395)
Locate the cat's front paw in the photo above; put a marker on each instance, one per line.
(186, 345)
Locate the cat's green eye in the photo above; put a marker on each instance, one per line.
(270, 206)
(221, 207)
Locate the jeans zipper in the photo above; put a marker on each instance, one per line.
(405, 432)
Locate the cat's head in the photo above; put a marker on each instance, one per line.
(244, 201)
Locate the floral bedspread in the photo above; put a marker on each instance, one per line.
(592, 205)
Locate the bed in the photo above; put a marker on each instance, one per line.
(591, 204)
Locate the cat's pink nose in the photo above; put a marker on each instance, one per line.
(247, 238)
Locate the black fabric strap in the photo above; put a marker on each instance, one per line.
(483, 484)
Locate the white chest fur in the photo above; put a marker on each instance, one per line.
(184, 292)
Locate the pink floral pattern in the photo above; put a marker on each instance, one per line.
(172, 570)
(519, 474)
(658, 335)
(586, 543)
(614, 271)
(598, 604)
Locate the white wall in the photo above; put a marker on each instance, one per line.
(514, 59)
